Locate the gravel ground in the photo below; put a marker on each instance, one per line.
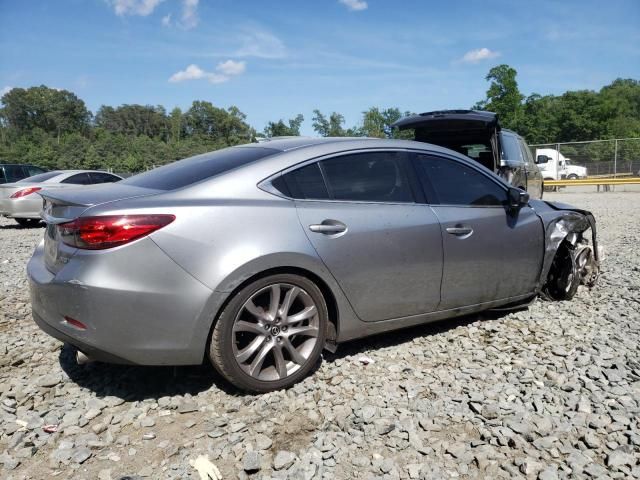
(549, 392)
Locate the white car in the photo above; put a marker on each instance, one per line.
(19, 200)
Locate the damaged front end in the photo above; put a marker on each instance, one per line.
(571, 258)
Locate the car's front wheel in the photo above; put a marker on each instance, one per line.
(271, 334)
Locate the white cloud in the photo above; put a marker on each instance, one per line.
(189, 14)
(166, 20)
(355, 5)
(475, 56)
(4, 90)
(231, 67)
(261, 44)
(224, 72)
(134, 7)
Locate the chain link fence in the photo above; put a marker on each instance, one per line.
(592, 159)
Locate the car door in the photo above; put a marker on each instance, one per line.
(534, 177)
(490, 252)
(358, 212)
(512, 160)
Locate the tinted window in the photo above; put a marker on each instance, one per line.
(191, 170)
(42, 177)
(13, 173)
(307, 183)
(526, 153)
(101, 177)
(31, 170)
(510, 148)
(454, 183)
(372, 177)
(78, 179)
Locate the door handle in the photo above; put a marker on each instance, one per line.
(328, 228)
(460, 231)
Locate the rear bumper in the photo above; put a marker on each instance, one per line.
(138, 305)
(21, 207)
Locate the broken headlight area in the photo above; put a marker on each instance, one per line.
(572, 256)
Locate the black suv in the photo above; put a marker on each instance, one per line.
(12, 172)
(478, 135)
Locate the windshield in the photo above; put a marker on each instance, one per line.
(41, 177)
(194, 169)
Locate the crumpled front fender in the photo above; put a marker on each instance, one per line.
(564, 222)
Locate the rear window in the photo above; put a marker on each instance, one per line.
(41, 177)
(194, 169)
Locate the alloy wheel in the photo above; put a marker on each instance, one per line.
(275, 332)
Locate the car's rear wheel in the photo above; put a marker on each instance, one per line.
(271, 334)
(27, 222)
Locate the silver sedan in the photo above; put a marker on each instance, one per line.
(260, 256)
(20, 201)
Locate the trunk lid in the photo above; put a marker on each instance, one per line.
(66, 204)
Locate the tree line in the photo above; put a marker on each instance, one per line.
(54, 128)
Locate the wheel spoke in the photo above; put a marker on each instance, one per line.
(256, 365)
(293, 353)
(303, 315)
(274, 303)
(289, 297)
(257, 312)
(243, 326)
(246, 353)
(306, 330)
(281, 365)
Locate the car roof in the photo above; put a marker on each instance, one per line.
(284, 144)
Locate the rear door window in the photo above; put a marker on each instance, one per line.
(307, 183)
(78, 179)
(103, 177)
(368, 177)
(449, 182)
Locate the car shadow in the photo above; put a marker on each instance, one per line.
(15, 226)
(135, 383)
(405, 335)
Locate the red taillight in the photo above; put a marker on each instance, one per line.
(97, 233)
(25, 191)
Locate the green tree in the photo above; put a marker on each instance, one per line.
(56, 112)
(332, 126)
(280, 129)
(377, 123)
(503, 96)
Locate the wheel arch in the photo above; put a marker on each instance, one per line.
(326, 286)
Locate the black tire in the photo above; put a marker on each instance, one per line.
(564, 275)
(28, 222)
(573, 176)
(223, 342)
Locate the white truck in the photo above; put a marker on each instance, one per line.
(554, 166)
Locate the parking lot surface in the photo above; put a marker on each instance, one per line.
(552, 391)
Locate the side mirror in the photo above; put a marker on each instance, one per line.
(517, 198)
(542, 159)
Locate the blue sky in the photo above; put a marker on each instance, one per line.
(276, 59)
